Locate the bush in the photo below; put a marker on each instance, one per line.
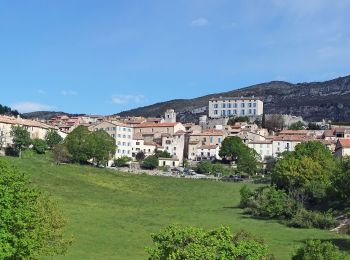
(151, 162)
(204, 167)
(60, 154)
(122, 161)
(317, 250)
(176, 242)
(312, 219)
(269, 202)
(11, 151)
(39, 146)
(246, 194)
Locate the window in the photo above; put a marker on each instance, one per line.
(119, 143)
(216, 106)
(224, 105)
(124, 136)
(250, 111)
(223, 112)
(235, 105)
(215, 112)
(174, 148)
(129, 136)
(211, 139)
(114, 128)
(254, 111)
(208, 153)
(124, 129)
(254, 104)
(219, 140)
(113, 135)
(249, 104)
(242, 104)
(123, 143)
(228, 112)
(129, 130)
(235, 111)
(242, 112)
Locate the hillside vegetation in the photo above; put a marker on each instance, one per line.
(112, 214)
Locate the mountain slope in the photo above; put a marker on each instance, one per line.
(314, 101)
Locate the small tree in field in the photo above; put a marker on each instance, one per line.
(39, 146)
(122, 161)
(151, 162)
(317, 250)
(177, 242)
(61, 154)
(31, 224)
(21, 138)
(52, 138)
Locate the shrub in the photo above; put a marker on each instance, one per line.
(39, 146)
(60, 154)
(176, 242)
(204, 167)
(269, 202)
(151, 162)
(246, 194)
(122, 161)
(317, 250)
(311, 219)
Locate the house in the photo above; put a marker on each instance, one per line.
(36, 129)
(208, 152)
(234, 106)
(207, 137)
(169, 162)
(122, 133)
(263, 148)
(342, 148)
(138, 144)
(174, 144)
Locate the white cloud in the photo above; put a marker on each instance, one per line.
(68, 93)
(25, 107)
(199, 22)
(125, 99)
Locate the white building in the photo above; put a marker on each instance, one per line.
(138, 144)
(263, 148)
(234, 106)
(169, 162)
(122, 134)
(208, 152)
(174, 144)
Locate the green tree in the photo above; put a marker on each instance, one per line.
(52, 138)
(31, 224)
(100, 146)
(317, 250)
(297, 126)
(234, 120)
(204, 167)
(177, 242)
(61, 154)
(247, 159)
(21, 138)
(150, 162)
(122, 161)
(341, 183)
(39, 146)
(313, 126)
(77, 144)
(140, 156)
(308, 170)
(162, 154)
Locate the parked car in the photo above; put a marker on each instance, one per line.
(234, 178)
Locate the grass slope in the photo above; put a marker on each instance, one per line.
(112, 215)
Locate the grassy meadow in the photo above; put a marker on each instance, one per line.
(112, 214)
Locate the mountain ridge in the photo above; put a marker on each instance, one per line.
(313, 100)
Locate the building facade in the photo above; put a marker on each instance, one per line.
(233, 106)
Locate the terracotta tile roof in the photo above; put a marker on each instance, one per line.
(144, 125)
(210, 133)
(209, 147)
(292, 138)
(294, 132)
(328, 133)
(261, 142)
(23, 122)
(344, 143)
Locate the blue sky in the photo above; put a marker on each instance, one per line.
(103, 57)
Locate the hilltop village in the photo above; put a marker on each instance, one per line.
(268, 135)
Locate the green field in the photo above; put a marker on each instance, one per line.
(111, 215)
